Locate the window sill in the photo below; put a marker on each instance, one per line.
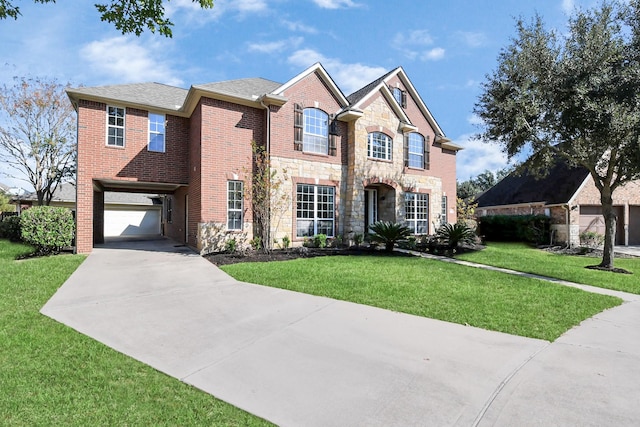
(311, 153)
(379, 160)
(117, 147)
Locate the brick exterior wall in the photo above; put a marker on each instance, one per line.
(214, 145)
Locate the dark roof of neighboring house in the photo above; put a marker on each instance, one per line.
(251, 88)
(361, 93)
(557, 187)
(152, 94)
(66, 192)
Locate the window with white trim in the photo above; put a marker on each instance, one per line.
(115, 126)
(234, 205)
(379, 146)
(416, 150)
(444, 210)
(315, 210)
(315, 138)
(416, 207)
(156, 132)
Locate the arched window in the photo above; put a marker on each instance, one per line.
(379, 146)
(315, 137)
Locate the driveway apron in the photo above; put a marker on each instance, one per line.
(301, 360)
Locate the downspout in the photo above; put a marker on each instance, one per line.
(567, 210)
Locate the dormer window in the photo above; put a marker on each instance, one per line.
(400, 96)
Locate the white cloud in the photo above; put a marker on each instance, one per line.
(477, 156)
(349, 77)
(124, 59)
(335, 4)
(275, 46)
(568, 6)
(434, 54)
(414, 44)
(299, 27)
(472, 39)
(192, 12)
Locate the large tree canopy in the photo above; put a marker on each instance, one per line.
(573, 94)
(128, 16)
(38, 134)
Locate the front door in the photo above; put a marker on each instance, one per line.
(370, 207)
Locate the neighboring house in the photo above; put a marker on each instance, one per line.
(569, 196)
(341, 162)
(125, 214)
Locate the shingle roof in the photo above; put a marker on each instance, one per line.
(4, 188)
(152, 94)
(66, 192)
(251, 88)
(557, 187)
(356, 96)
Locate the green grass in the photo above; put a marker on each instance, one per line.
(51, 375)
(454, 293)
(518, 256)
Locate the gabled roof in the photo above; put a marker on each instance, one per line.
(154, 95)
(324, 76)
(558, 187)
(360, 96)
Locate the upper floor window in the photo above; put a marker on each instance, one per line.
(313, 131)
(115, 126)
(416, 151)
(315, 137)
(400, 96)
(379, 146)
(156, 132)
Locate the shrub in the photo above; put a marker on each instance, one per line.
(591, 239)
(389, 233)
(47, 228)
(286, 242)
(256, 243)
(10, 228)
(453, 235)
(358, 238)
(231, 245)
(320, 241)
(515, 228)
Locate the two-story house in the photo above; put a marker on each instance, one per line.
(340, 162)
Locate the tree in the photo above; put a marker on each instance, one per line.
(37, 134)
(470, 188)
(573, 95)
(128, 16)
(5, 205)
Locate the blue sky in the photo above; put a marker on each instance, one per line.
(447, 48)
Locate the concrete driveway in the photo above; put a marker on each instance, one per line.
(300, 360)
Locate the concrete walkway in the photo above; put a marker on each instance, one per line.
(300, 360)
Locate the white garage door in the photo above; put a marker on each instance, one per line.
(131, 222)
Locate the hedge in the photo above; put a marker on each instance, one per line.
(49, 229)
(515, 228)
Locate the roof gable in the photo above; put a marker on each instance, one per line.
(381, 84)
(558, 187)
(324, 76)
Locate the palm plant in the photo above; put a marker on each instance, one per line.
(389, 233)
(453, 235)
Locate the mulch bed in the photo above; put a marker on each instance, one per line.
(225, 258)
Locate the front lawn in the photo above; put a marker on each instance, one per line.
(51, 375)
(454, 293)
(520, 257)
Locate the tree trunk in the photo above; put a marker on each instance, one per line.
(610, 228)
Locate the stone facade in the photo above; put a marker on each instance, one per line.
(209, 142)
